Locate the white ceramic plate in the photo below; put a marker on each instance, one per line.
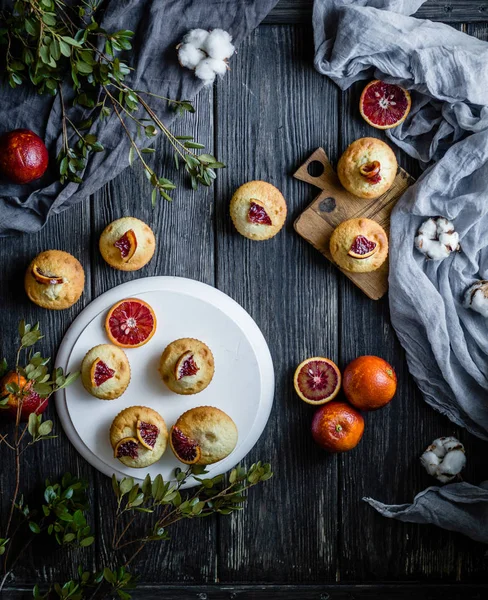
(243, 384)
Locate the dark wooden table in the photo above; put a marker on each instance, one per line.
(307, 533)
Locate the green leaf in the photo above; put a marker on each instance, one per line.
(154, 194)
(30, 338)
(108, 575)
(88, 541)
(45, 428)
(34, 527)
(64, 48)
(115, 486)
(3, 367)
(32, 424)
(69, 40)
(126, 485)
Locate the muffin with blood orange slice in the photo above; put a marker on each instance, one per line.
(105, 372)
(54, 279)
(127, 244)
(130, 323)
(138, 436)
(187, 366)
(367, 168)
(258, 210)
(203, 436)
(359, 245)
(317, 380)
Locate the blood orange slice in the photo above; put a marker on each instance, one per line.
(317, 380)
(44, 278)
(127, 245)
(127, 447)
(257, 214)
(100, 373)
(147, 434)
(384, 105)
(186, 366)
(184, 448)
(130, 323)
(362, 247)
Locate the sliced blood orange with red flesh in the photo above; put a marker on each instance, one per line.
(130, 323)
(186, 366)
(362, 247)
(45, 278)
(384, 105)
(184, 448)
(127, 447)
(100, 373)
(147, 434)
(371, 171)
(258, 215)
(127, 245)
(317, 380)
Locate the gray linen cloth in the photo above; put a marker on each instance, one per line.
(446, 344)
(158, 25)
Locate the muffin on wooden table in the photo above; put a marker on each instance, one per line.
(187, 366)
(54, 279)
(138, 436)
(127, 244)
(105, 372)
(258, 210)
(359, 245)
(367, 168)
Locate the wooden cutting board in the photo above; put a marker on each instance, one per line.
(334, 205)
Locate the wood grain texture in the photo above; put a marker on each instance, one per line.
(288, 532)
(185, 243)
(449, 11)
(50, 458)
(335, 205)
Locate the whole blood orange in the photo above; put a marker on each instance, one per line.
(23, 156)
(317, 380)
(29, 400)
(337, 427)
(369, 382)
(384, 105)
(130, 323)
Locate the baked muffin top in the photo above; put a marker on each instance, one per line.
(359, 245)
(128, 425)
(212, 429)
(258, 210)
(127, 244)
(367, 168)
(187, 366)
(105, 372)
(54, 279)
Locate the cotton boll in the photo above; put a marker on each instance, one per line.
(190, 56)
(429, 229)
(476, 297)
(205, 72)
(450, 240)
(436, 238)
(444, 225)
(218, 44)
(196, 37)
(444, 458)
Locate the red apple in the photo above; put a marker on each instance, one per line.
(31, 402)
(23, 156)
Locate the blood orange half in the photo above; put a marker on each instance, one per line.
(384, 105)
(130, 323)
(317, 380)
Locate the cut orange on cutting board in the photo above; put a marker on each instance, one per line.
(317, 380)
(384, 105)
(130, 323)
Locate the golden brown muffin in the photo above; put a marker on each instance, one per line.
(258, 210)
(127, 244)
(211, 429)
(54, 279)
(367, 168)
(187, 366)
(105, 372)
(359, 245)
(138, 436)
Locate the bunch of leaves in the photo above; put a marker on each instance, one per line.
(90, 584)
(54, 47)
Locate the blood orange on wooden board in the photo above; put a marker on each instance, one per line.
(384, 105)
(317, 380)
(130, 323)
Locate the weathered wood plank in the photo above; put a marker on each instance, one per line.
(54, 457)
(385, 465)
(271, 114)
(303, 592)
(448, 11)
(184, 232)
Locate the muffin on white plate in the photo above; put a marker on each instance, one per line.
(187, 366)
(127, 244)
(203, 435)
(258, 210)
(105, 372)
(138, 436)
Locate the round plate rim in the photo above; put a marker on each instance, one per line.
(183, 285)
